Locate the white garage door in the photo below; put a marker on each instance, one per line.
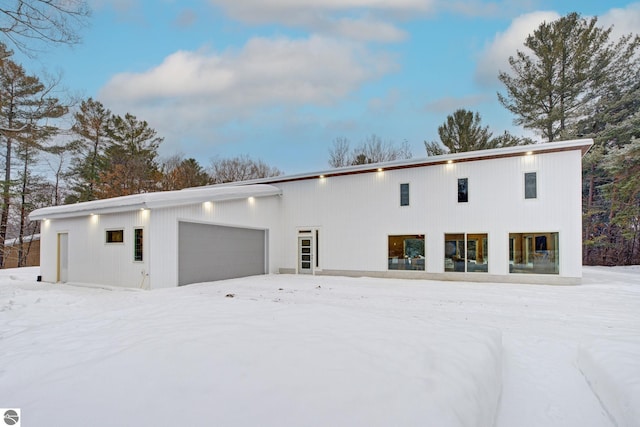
(212, 252)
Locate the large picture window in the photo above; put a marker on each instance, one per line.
(533, 253)
(406, 252)
(466, 252)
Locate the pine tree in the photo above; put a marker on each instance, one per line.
(570, 66)
(463, 131)
(179, 173)
(25, 104)
(130, 162)
(90, 126)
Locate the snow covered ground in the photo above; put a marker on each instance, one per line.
(288, 350)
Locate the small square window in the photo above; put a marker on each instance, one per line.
(463, 190)
(530, 185)
(115, 236)
(404, 194)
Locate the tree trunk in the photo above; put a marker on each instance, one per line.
(23, 202)
(6, 201)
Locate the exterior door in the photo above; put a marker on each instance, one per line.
(63, 257)
(305, 255)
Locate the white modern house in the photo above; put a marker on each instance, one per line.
(510, 215)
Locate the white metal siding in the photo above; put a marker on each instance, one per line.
(358, 212)
(354, 214)
(91, 259)
(257, 213)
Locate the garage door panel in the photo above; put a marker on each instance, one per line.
(212, 252)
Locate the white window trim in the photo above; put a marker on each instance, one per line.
(106, 230)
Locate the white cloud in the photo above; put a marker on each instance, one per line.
(363, 30)
(316, 70)
(366, 20)
(190, 93)
(624, 21)
(495, 55)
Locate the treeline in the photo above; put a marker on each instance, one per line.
(114, 155)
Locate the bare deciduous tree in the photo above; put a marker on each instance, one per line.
(24, 22)
(372, 150)
(241, 168)
(339, 155)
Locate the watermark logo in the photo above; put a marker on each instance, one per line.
(11, 417)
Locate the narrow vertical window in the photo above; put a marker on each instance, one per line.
(530, 185)
(137, 244)
(317, 250)
(463, 190)
(404, 194)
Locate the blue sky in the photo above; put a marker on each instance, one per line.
(280, 81)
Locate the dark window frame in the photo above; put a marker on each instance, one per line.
(138, 244)
(114, 236)
(405, 194)
(463, 190)
(530, 185)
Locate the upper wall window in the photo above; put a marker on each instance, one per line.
(463, 190)
(115, 236)
(404, 194)
(530, 185)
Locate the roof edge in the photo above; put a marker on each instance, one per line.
(156, 200)
(584, 145)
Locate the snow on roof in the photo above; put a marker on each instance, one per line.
(161, 199)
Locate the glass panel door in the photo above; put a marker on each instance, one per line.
(305, 255)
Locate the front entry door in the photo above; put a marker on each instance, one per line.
(305, 255)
